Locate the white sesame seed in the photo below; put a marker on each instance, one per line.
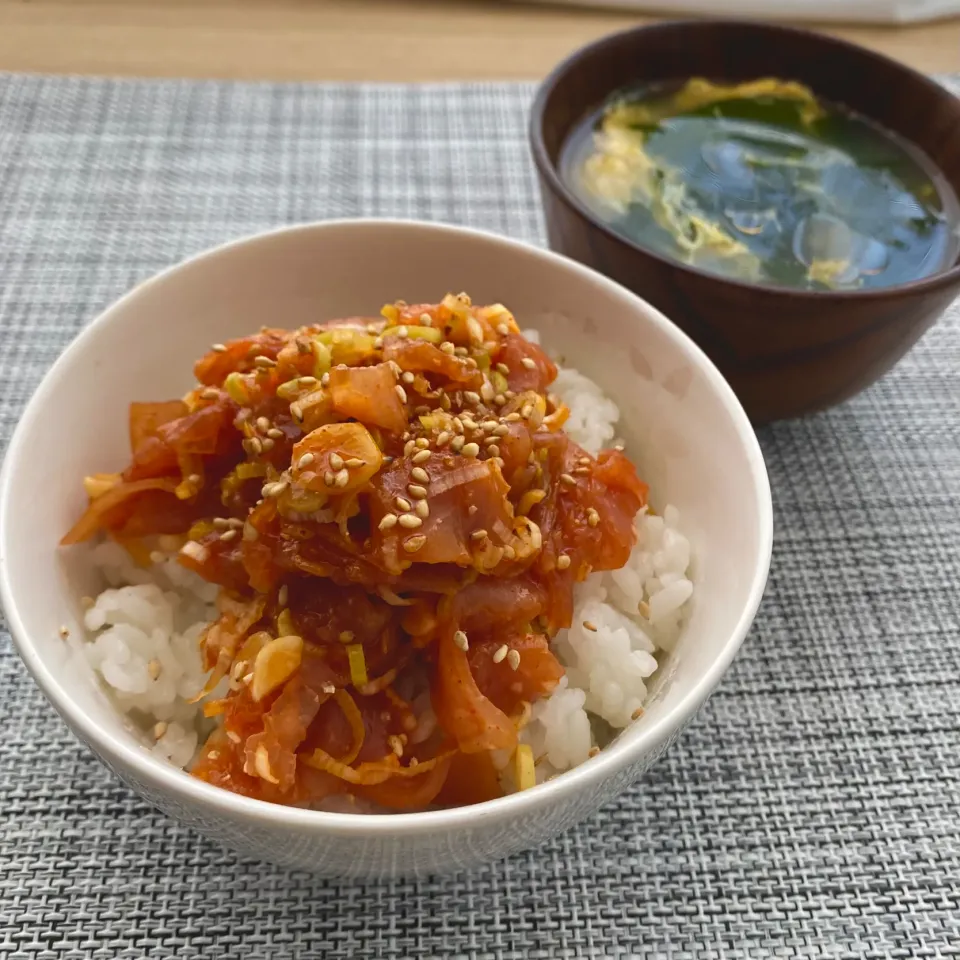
(513, 658)
(388, 522)
(500, 653)
(409, 522)
(460, 639)
(413, 544)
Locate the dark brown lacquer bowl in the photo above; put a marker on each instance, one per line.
(785, 352)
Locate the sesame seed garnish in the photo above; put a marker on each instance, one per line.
(637, 714)
(219, 348)
(282, 595)
(471, 397)
(567, 479)
(306, 460)
(443, 437)
(401, 393)
(388, 522)
(593, 518)
(471, 449)
(513, 658)
(503, 329)
(336, 461)
(410, 522)
(413, 544)
(587, 625)
(422, 509)
(228, 535)
(407, 377)
(416, 491)
(563, 561)
(341, 479)
(420, 475)
(354, 462)
(422, 456)
(211, 393)
(402, 505)
(159, 729)
(500, 653)
(479, 535)
(460, 639)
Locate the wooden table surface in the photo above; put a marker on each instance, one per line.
(411, 40)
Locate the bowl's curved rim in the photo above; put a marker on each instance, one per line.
(125, 754)
(548, 169)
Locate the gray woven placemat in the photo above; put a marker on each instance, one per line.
(813, 810)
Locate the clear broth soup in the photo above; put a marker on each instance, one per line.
(763, 182)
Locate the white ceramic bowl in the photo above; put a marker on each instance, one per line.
(683, 426)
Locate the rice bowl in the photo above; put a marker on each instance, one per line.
(679, 419)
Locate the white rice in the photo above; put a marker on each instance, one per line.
(145, 629)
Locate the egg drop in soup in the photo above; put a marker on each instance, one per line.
(765, 183)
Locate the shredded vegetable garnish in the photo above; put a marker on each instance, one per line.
(524, 768)
(396, 521)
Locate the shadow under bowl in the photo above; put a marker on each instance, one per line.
(785, 352)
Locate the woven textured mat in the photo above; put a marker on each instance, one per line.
(812, 810)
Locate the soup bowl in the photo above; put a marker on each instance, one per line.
(786, 352)
(680, 422)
